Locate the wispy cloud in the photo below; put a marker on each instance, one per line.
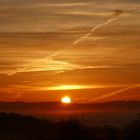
(85, 13)
(65, 4)
(57, 66)
(115, 15)
(68, 87)
(103, 97)
(46, 43)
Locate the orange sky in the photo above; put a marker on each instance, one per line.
(88, 50)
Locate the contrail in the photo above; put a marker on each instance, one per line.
(89, 100)
(82, 38)
(115, 17)
(114, 93)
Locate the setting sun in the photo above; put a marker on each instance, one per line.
(66, 100)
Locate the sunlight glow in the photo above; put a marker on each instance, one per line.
(66, 100)
(69, 87)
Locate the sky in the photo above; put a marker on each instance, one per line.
(86, 49)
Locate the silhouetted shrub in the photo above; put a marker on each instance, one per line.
(17, 127)
(132, 131)
(72, 129)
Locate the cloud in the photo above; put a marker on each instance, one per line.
(7, 94)
(38, 51)
(86, 13)
(115, 17)
(118, 12)
(114, 93)
(56, 66)
(64, 4)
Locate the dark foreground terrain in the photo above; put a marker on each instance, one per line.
(110, 113)
(20, 127)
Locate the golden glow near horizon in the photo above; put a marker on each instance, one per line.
(68, 87)
(66, 100)
(65, 87)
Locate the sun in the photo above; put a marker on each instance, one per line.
(66, 100)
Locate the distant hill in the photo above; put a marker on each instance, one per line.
(51, 106)
(114, 113)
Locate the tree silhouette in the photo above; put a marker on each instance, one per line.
(14, 127)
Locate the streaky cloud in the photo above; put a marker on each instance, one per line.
(114, 93)
(114, 17)
(118, 12)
